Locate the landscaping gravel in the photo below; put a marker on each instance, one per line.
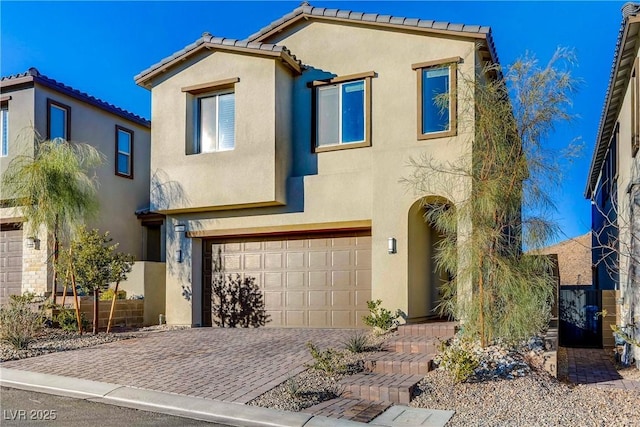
(53, 340)
(536, 399)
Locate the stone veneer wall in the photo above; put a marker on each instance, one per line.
(126, 312)
(36, 271)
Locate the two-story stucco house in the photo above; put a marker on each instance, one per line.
(33, 104)
(613, 184)
(285, 151)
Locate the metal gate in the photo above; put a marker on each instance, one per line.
(580, 319)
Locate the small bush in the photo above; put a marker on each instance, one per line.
(380, 317)
(458, 359)
(292, 387)
(67, 320)
(19, 322)
(330, 361)
(108, 295)
(357, 343)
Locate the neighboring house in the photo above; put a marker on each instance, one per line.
(33, 104)
(283, 153)
(614, 178)
(574, 259)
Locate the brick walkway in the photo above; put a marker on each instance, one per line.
(235, 365)
(594, 367)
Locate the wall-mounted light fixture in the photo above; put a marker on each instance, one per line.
(179, 228)
(392, 246)
(178, 256)
(33, 243)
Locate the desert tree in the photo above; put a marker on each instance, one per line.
(54, 188)
(497, 290)
(94, 263)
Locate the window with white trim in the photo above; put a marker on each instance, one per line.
(341, 113)
(214, 122)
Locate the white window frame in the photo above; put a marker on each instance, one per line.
(197, 145)
(340, 105)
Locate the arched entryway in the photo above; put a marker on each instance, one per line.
(424, 278)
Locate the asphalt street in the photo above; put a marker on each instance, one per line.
(25, 408)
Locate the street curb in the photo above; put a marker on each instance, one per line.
(163, 402)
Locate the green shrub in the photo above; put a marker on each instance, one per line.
(357, 343)
(67, 320)
(108, 295)
(330, 361)
(458, 359)
(380, 317)
(19, 322)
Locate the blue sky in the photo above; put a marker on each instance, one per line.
(98, 47)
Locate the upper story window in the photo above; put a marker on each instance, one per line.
(58, 118)
(4, 129)
(211, 108)
(342, 112)
(215, 122)
(124, 152)
(436, 98)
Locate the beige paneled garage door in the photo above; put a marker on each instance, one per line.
(321, 280)
(10, 261)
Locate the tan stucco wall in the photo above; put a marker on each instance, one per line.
(347, 186)
(21, 125)
(245, 175)
(119, 197)
(147, 279)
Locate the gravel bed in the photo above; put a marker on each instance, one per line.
(536, 399)
(314, 386)
(54, 340)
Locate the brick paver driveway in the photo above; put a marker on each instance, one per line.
(234, 365)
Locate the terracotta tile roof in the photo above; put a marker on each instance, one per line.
(625, 52)
(34, 75)
(574, 259)
(306, 10)
(211, 42)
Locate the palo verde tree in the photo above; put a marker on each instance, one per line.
(495, 289)
(95, 263)
(53, 188)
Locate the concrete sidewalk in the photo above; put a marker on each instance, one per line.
(163, 402)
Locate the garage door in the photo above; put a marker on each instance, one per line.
(10, 261)
(312, 280)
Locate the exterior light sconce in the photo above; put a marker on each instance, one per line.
(33, 243)
(392, 247)
(178, 255)
(179, 228)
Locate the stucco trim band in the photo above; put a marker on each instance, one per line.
(280, 229)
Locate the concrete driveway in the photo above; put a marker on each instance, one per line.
(233, 365)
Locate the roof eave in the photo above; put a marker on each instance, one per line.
(7, 83)
(615, 96)
(144, 79)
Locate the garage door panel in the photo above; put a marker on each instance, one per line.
(253, 262)
(363, 279)
(295, 279)
(313, 280)
(295, 260)
(10, 262)
(341, 279)
(342, 319)
(295, 299)
(295, 318)
(273, 260)
(340, 258)
(318, 319)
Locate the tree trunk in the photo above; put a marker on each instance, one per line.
(75, 302)
(113, 305)
(96, 307)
